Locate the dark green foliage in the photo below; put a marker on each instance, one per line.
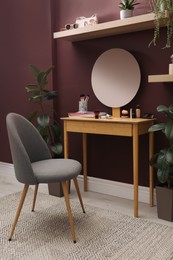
(43, 118)
(163, 160)
(163, 13)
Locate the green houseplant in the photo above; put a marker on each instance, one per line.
(44, 116)
(163, 162)
(127, 4)
(163, 12)
(127, 7)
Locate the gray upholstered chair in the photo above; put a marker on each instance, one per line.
(33, 164)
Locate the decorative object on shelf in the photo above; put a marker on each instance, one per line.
(46, 124)
(84, 21)
(71, 26)
(83, 103)
(81, 21)
(127, 7)
(163, 161)
(163, 14)
(171, 66)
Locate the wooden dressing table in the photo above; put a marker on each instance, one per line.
(130, 127)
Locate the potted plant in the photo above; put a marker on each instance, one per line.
(44, 117)
(163, 161)
(127, 7)
(163, 12)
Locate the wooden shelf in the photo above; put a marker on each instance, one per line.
(132, 24)
(160, 78)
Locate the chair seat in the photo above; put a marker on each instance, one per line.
(56, 170)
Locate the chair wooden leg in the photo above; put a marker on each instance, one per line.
(78, 193)
(24, 192)
(66, 196)
(35, 196)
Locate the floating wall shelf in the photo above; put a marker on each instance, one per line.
(160, 78)
(132, 24)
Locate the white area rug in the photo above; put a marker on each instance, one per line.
(101, 234)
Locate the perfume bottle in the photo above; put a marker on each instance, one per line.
(138, 111)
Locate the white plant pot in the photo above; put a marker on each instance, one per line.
(125, 14)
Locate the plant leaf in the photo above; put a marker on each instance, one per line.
(169, 130)
(35, 99)
(50, 95)
(153, 160)
(163, 109)
(34, 70)
(169, 157)
(49, 70)
(157, 127)
(57, 148)
(43, 120)
(41, 78)
(31, 86)
(162, 175)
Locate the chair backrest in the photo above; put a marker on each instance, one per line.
(26, 146)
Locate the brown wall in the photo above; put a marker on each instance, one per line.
(108, 157)
(26, 30)
(26, 38)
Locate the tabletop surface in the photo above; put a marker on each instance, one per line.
(109, 120)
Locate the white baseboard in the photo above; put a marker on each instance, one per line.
(113, 188)
(6, 167)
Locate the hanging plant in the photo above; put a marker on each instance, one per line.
(163, 17)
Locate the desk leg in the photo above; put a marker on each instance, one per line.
(66, 143)
(151, 170)
(135, 167)
(84, 143)
(66, 151)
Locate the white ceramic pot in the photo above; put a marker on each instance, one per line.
(125, 14)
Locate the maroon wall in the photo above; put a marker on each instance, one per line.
(26, 38)
(108, 157)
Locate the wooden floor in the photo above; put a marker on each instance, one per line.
(9, 184)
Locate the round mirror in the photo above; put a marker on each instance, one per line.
(115, 77)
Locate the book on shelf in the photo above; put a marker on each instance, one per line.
(89, 114)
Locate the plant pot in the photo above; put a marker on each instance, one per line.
(125, 14)
(55, 189)
(164, 203)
